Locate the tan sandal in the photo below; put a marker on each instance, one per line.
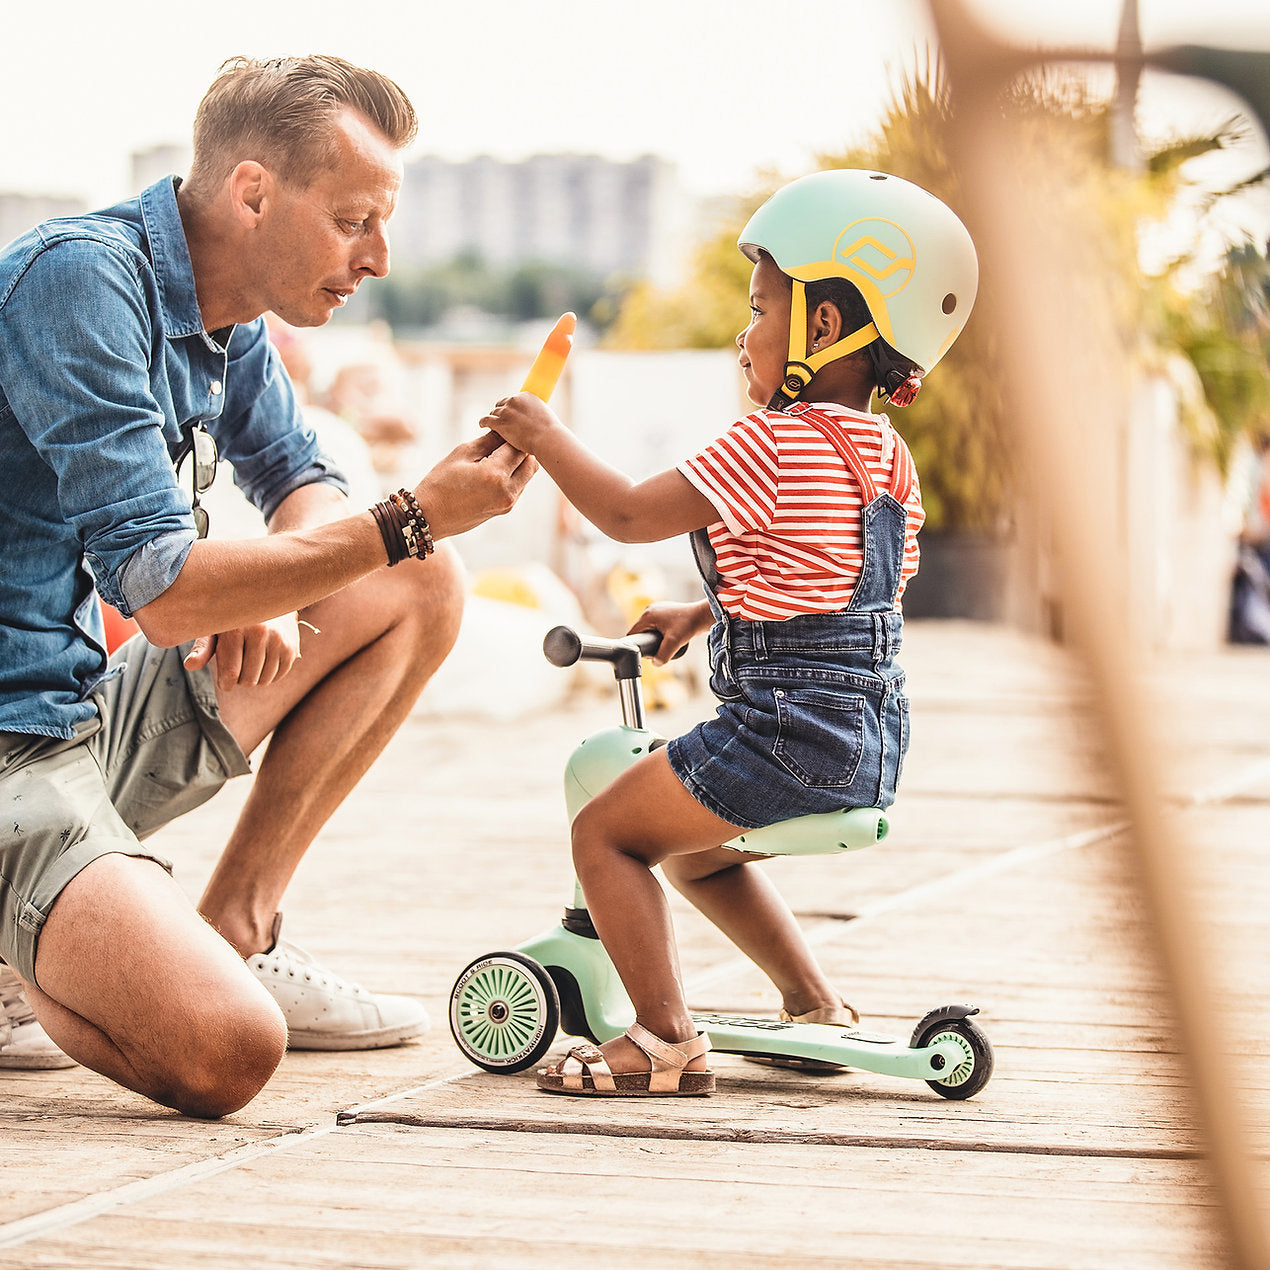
(584, 1070)
(844, 1015)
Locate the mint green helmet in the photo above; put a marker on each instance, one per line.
(906, 252)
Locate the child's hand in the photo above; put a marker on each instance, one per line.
(522, 421)
(678, 623)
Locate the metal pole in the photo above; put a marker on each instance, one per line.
(1124, 131)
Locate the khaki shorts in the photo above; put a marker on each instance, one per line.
(156, 750)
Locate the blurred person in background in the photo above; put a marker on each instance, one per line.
(1250, 598)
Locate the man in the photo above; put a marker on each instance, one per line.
(129, 339)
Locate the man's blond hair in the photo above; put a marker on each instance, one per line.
(281, 113)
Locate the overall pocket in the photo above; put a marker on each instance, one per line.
(820, 735)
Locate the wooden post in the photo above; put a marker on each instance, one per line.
(1065, 393)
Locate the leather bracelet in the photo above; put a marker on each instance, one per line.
(386, 518)
(415, 529)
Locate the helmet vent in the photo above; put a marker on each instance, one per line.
(950, 303)
(877, 176)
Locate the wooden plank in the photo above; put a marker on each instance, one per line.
(1077, 1154)
(378, 1197)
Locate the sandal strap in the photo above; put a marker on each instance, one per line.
(586, 1060)
(667, 1059)
(826, 1014)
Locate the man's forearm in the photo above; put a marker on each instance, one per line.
(313, 551)
(318, 503)
(226, 585)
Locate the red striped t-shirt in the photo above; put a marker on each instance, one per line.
(788, 541)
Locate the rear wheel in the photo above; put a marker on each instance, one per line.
(967, 1076)
(504, 1012)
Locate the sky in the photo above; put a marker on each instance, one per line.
(724, 88)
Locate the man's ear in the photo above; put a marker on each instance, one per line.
(250, 184)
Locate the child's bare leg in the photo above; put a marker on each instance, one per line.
(740, 899)
(644, 817)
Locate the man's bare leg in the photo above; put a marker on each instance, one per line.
(380, 641)
(135, 985)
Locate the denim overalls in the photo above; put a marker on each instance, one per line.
(813, 715)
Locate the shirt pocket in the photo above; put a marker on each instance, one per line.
(820, 735)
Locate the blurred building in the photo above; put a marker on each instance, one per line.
(156, 162)
(580, 210)
(20, 212)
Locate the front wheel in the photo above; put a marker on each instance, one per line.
(504, 1012)
(970, 1074)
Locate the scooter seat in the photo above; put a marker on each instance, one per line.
(823, 834)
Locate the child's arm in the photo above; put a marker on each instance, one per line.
(663, 506)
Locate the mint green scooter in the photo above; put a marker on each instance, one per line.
(506, 1007)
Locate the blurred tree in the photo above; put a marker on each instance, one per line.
(421, 298)
(539, 290)
(1224, 329)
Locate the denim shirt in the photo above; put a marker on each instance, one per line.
(103, 360)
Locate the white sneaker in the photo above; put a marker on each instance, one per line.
(24, 1044)
(324, 1012)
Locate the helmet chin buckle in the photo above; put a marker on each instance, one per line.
(797, 376)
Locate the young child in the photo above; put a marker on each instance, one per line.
(803, 517)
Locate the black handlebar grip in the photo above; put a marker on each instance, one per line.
(563, 646)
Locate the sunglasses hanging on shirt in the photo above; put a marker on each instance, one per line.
(202, 445)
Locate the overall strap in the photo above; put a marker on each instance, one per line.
(846, 449)
(883, 529)
(903, 471)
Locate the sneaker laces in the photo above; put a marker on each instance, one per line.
(288, 957)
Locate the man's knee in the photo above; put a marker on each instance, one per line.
(228, 1064)
(437, 587)
(143, 990)
(424, 597)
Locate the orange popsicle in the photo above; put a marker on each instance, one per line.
(543, 374)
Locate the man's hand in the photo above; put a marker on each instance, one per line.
(474, 482)
(250, 656)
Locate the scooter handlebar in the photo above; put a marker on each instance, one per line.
(563, 646)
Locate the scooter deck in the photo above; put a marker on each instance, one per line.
(608, 1014)
(826, 1043)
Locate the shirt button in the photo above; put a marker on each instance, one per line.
(215, 387)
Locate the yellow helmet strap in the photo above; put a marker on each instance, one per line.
(800, 368)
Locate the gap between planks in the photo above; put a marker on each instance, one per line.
(764, 1137)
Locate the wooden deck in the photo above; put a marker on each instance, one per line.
(1004, 884)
